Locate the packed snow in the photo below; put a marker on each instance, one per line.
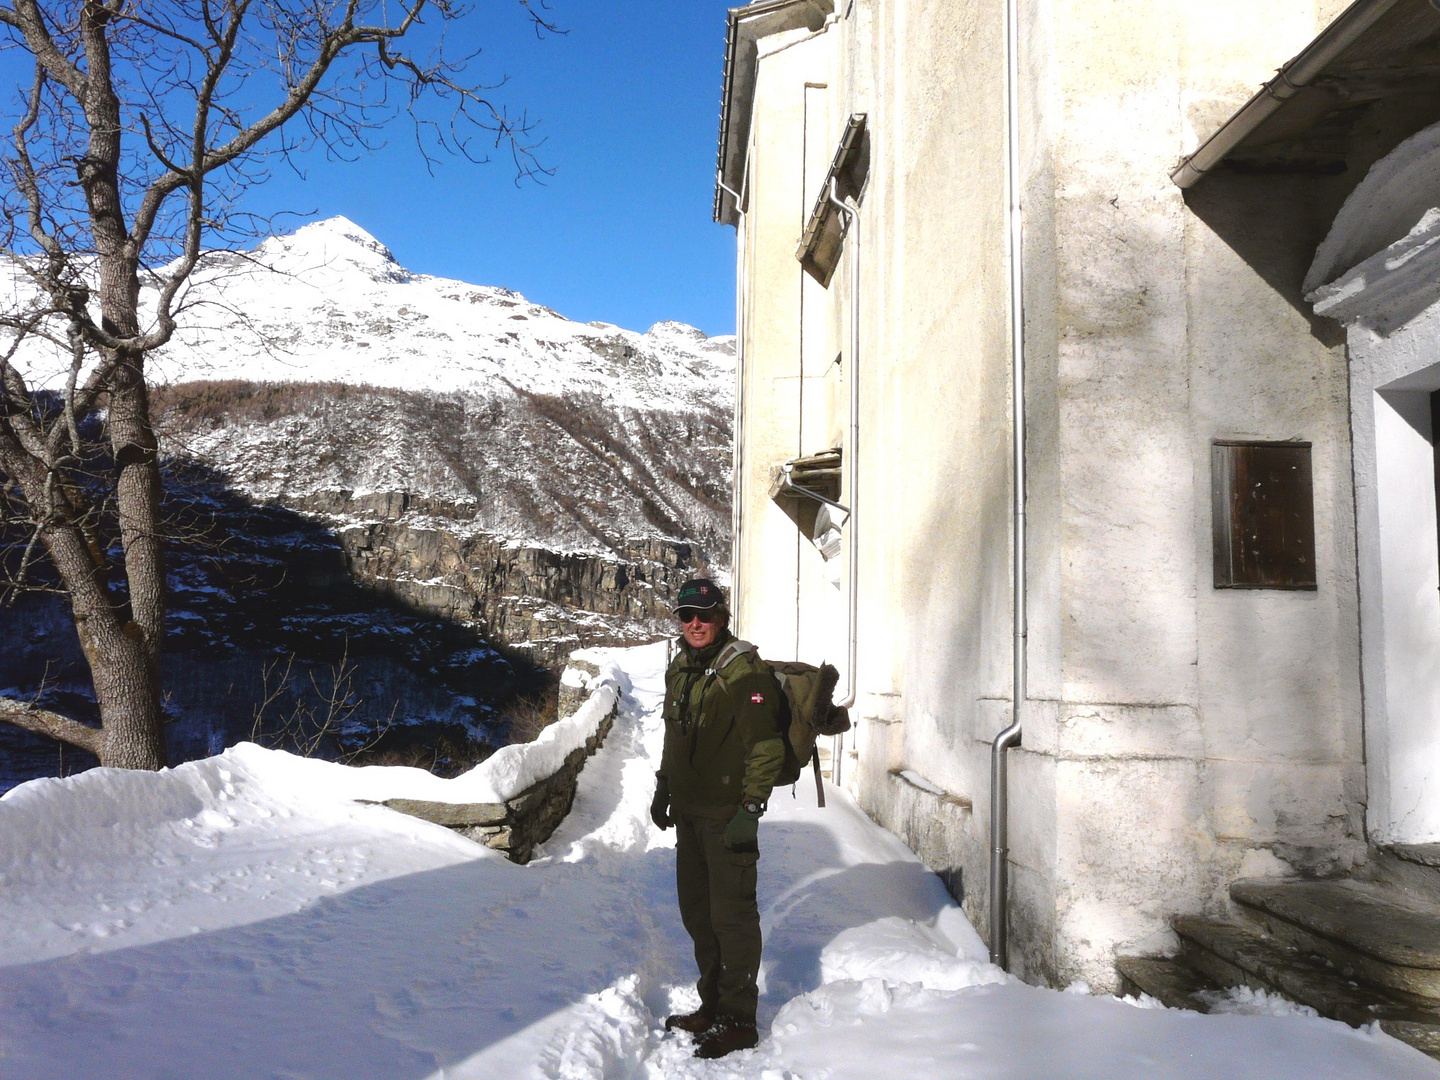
(245, 916)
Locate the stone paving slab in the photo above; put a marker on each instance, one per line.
(455, 815)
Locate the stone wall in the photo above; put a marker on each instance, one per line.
(938, 825)
(518, 825)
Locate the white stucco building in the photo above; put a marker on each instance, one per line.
(1232, 665)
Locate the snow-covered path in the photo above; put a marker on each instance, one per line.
(245, 917)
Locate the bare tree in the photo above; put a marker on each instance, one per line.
(308, 729)
(140, 131)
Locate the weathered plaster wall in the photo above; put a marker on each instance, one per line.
(934, 537)
(934, 487)
(1201, 734)
(768, 586)
(1278, 672)
(1177, 736)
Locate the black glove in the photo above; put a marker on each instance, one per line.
(743, 832)
(660, 805)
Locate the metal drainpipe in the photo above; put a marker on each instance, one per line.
(999, 759)
(737, 479)
(852, 461)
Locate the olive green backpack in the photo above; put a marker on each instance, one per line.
(809, 700)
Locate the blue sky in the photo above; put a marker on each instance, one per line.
(628, 102)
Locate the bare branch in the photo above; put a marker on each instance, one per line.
(43, 722)
(25, 178)
(77, 360)
(543, 23)
(28, 19)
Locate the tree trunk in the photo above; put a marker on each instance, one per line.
(137, 502)
(127, 689)
(124, 651)
(124, 661)
(125, 674)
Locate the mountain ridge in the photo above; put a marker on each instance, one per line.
(330, 303)
(514, 420)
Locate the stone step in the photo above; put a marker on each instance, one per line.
(1232, 953)
(1420, 854)
(1413, 870)
(1370, 932)
(1173, 984)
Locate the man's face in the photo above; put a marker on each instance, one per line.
(700, 628)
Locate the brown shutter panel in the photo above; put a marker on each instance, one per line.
(1264, 515)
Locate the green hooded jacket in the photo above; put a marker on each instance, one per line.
(723, 730)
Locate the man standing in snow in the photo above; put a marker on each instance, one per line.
(723, 750)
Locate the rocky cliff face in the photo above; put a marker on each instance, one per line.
(539, 603)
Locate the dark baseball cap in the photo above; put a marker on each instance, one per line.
(699, 593)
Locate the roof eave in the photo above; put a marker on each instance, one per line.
(745, 26)
(1299, 72)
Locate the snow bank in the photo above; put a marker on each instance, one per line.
(903, 951)
(113, 859)
(874, 1027)
(244, 916)
(107, 858)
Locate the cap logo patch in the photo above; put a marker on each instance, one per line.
(757, 699)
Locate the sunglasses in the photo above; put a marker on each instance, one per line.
(709, 615)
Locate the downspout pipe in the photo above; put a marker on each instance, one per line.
(1299, 72)
(852, 466)
(737, 478)
(1010, 737)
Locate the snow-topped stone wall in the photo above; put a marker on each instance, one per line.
(530, 786)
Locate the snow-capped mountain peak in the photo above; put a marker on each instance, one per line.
(502, 413)
(336, 244)
(330, 303)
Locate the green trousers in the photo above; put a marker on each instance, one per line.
(717, 905)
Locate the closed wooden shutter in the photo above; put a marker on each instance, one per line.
(1264, 515)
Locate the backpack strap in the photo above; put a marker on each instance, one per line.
(730, 653)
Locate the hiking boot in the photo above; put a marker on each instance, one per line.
(696, 1022)
(725, 1036)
